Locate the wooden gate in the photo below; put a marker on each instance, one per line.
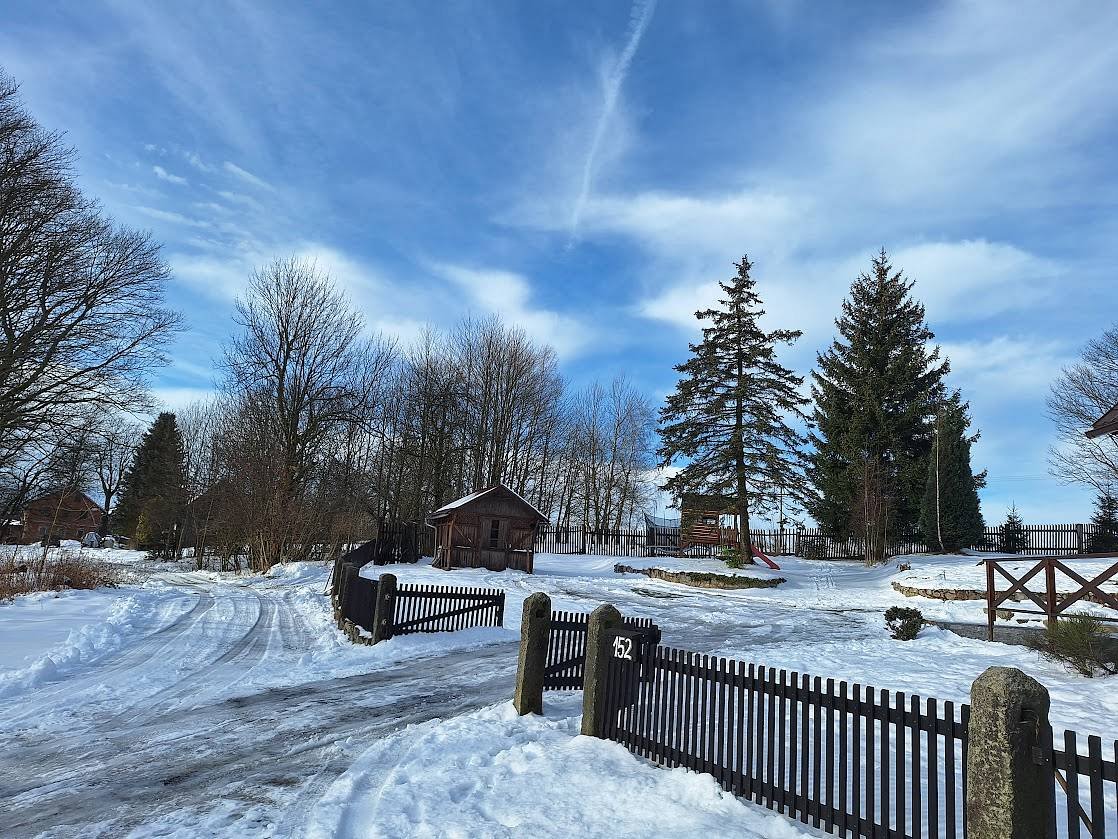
(566, 648)
(424, 608)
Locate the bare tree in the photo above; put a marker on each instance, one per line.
(81, 301)
(114, 444)
(1083, 393)
(299, 372)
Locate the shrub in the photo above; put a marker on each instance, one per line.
(1078, 642)
(813, 549)
(731, 555)
(903, 623)
(21, 574)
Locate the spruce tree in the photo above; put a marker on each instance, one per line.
(1104, 538)
(153, 497)
(1013, 538)
(950, 517)
(876, 390)
(728, 418)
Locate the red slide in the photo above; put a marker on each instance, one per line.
(757, 553)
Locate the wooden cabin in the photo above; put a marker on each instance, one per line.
(493, 528)
(700, 520)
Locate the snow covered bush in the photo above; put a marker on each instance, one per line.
(1079, 642)
(903, 623)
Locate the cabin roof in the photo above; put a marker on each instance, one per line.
(467, 500)
(72, 493)
(1106, 424)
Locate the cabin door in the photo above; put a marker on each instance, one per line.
(494, 541)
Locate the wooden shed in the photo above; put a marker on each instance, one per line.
(493, 528)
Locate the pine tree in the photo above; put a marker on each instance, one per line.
(1104, 538)
(1013, 538)
(950, 516)
(876, 390)
(153, 497)
(728, 418)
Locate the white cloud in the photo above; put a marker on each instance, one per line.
(246, 176)
(508, 294)
(196, 161)
(639, 17)
(177, 398)
(164, 175)
(1002, 366)
(172, 217)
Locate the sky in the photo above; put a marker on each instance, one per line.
(590, 171)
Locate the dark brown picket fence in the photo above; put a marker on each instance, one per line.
(425, 608)
(849, 759)
(566, 648)
(1038, 539)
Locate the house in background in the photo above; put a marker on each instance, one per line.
(59, 515)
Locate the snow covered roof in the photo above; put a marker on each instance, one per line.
(446, 509)
(1106, 424)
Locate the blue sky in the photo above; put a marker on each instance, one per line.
(590, 170)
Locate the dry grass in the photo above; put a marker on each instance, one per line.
(24, 572)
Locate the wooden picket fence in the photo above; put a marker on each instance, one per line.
(426, 608)
(848, 759)
(566, 647)
(1039, 539)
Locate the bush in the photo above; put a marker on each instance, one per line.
(813, 549)
(1078, 642)
(22, 574)
(903, 623)
(731, 555)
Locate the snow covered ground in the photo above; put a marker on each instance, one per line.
(201, 704)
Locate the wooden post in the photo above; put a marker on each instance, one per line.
(1050, 589)
(1080, 542)
(385, 612)
(535, 630)
(1009, 779)
(991, 611)
(603, 620)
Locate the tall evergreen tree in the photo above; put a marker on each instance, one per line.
(1013, 539)
(1104, 539)
(153, 498)
(876, 390)
(728, 418)
(950, 516)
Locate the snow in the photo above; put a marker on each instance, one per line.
(492, 773)
(190, 703)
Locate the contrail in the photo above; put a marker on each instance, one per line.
(639, 17)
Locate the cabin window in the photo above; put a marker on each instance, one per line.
(494, 533)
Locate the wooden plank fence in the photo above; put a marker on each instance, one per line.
(427, 608)
(1039, 539)
(566, 648)
(848, 759)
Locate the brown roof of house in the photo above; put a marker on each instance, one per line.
(1106, 424)
(466, 500)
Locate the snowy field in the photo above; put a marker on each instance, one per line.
(201, 704)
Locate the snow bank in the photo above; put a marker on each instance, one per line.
(495, 774)
(47, 635)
